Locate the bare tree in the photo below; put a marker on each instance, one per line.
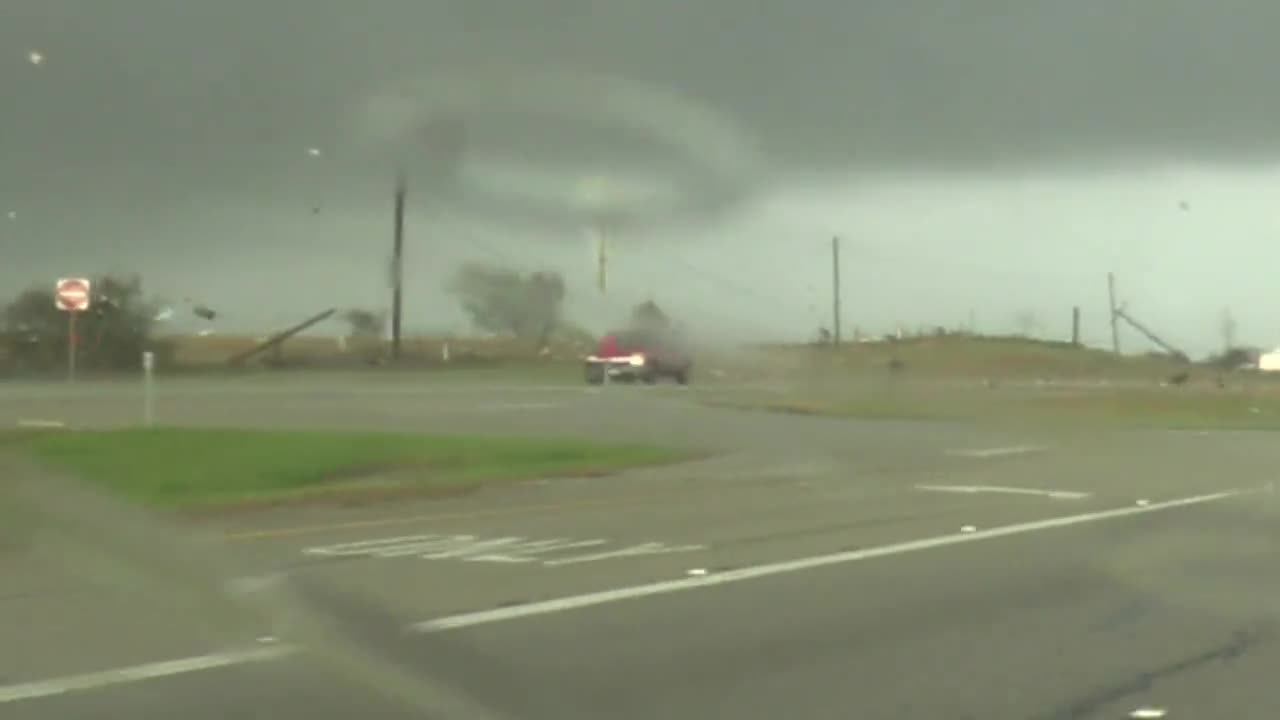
(505, 301)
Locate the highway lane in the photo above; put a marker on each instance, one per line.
(788, 488)
(591, 531)
(661, 414)
(1042, 626)
(480, 553)
(1089, 621)
(462, 587)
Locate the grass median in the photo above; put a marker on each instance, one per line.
(212, 467)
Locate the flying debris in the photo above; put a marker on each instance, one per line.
(35, 57)
(12, 215)
(103, 303)
(204, 312)
(316, 204)
(164, 315)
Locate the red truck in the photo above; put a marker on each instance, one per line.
(630, 355)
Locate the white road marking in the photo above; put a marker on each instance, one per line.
(759, 571)
(651, 548)
(382, 547)
(998, 451)
(469, 548)
(1055, 494)
(137, 673)
(41, 424)
(526, 552)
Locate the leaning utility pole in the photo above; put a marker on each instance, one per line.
(1150, 334)
(1113, 313)
(397, 268)
(835, 290)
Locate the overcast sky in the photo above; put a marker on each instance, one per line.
(985, 159)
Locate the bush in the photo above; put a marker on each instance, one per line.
(1234, 358)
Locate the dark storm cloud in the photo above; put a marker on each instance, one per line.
(172, 136)
(215, 90)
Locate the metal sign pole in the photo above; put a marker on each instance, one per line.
(72, 296)
(71, 346)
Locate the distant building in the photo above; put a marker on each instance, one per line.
(1269, 361)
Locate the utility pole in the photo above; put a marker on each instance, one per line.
(1228, 331)
(1173, 351)
(397, 268)
(835, 289)
(1113, 313)
(602, 259)
(1075, 325)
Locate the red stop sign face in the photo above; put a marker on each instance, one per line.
(72, 294)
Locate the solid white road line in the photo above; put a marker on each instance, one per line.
(759, 571)
(1055, 494)
(650, 548)
(138, 673)
(998, 451)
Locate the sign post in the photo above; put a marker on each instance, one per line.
(71, 295)
(71, 346)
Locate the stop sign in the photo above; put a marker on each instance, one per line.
(72, 294)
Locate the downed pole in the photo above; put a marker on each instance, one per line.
(276, 340)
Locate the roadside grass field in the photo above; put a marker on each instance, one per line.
(1007, 381)
(213, 467)
(194, 351)
(962, 356)
(1255, 408)
(496, 360)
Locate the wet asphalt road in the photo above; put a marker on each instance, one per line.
(930, 612)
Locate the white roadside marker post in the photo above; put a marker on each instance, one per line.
(148, 389)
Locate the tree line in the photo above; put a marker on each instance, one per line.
(123, 321)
